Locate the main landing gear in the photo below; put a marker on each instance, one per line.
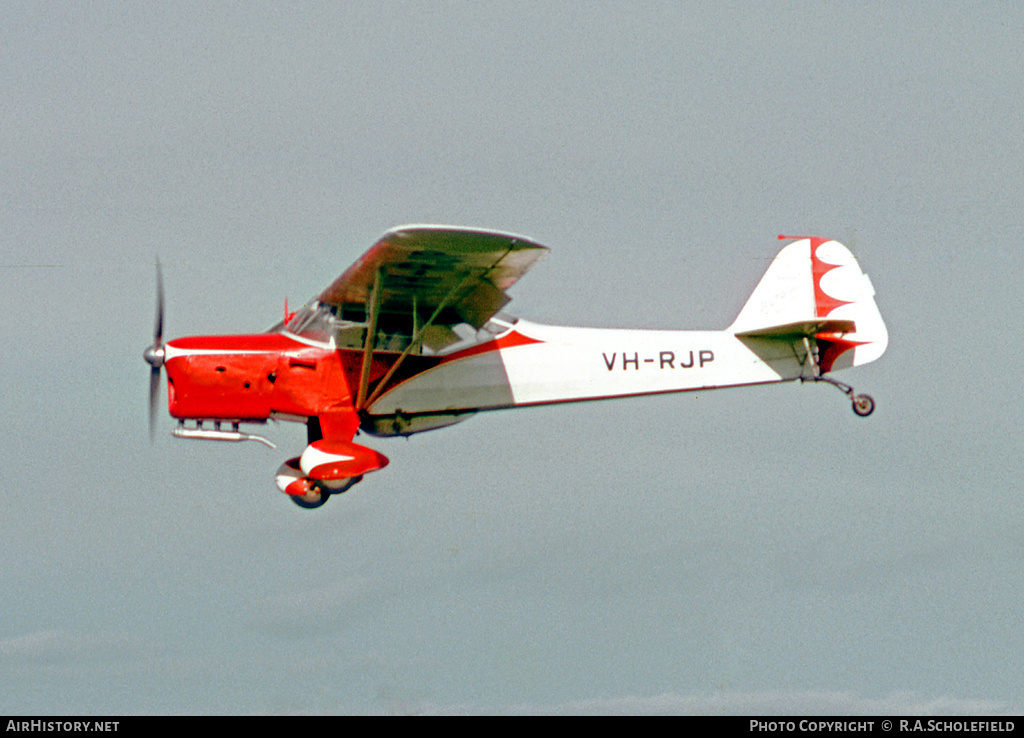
(305, 492)
(863, 405)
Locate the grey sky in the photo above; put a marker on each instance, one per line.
(757, 550)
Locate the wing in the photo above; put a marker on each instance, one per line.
(413, 271)
(420, 280)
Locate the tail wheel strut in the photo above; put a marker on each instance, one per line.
(863, 405)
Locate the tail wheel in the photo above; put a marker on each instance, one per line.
(863, 405)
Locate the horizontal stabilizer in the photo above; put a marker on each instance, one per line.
(807, 328)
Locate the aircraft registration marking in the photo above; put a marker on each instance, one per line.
(664, 360)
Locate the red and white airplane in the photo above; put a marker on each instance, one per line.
(411, 338)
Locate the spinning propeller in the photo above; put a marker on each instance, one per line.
(154, 355)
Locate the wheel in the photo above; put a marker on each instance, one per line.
(863, 405)
(337, 486)
(301, 490)
(313, 499)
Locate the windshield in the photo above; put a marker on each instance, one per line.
(319, 322)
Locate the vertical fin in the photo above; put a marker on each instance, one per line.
(812, 280)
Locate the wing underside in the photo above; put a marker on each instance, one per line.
(419, 281)
(413, 271)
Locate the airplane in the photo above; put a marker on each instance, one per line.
(413, 337)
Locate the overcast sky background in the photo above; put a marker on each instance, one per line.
(759, 550)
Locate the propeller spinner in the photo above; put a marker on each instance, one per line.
(154, 355)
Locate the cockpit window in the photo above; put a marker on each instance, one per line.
(345, 327)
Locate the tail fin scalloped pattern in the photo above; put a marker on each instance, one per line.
(818, 282)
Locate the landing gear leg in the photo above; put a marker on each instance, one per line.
(863, 405)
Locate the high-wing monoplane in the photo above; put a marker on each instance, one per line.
(413, 337)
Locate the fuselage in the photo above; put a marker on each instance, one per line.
(535, 364)
(252, 378)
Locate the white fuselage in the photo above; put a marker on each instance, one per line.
(813, 312)
(536, 364)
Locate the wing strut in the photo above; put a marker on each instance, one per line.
(413, 343)
(371, 331)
